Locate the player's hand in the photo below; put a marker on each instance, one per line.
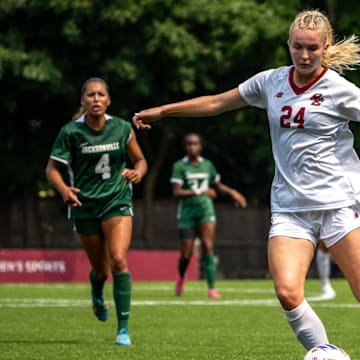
(142, 119)
(69, 196)
(238, 198)
(132, 175)
(211, 193)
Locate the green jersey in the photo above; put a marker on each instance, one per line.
(197, 178)
(95, 161)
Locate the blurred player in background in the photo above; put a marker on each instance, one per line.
(94, 148)
(315, 193)
(323, 264)
(195, 181)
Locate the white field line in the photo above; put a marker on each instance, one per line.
(138, 287)
(201, 289)
(38, 303)
(141, 287)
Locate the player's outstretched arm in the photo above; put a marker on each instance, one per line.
(203, 106)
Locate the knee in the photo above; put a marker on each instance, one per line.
(208, 248)
(100, 269)
(101, 273)
(119, 262)
(289, 297)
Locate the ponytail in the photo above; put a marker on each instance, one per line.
(79, 113)
(343, 55)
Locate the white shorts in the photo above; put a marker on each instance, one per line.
(330, 226)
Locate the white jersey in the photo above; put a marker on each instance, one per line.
(316, 167)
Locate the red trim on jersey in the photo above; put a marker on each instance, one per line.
(300, 90)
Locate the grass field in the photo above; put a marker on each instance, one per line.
(54, 321)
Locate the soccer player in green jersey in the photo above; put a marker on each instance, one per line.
(195, 182)
(94, 148)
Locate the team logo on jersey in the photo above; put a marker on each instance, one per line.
(279, 94)
(317, 99)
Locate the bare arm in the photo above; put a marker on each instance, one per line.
(202, 106)
(237, 197)
(137, 158)
(68, 193)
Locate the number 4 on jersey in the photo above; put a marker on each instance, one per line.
(286, 119)
(103, 167)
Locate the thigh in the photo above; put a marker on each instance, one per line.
(186, 240)
(289, 261)
(322, 246)
(186, 247)
(117, 232)
(206, 233)
(346, 254)
(94, 246)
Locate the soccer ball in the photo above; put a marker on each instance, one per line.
(327, 352)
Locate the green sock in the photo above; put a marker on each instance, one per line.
(182, 265)
(209, 266)
(122, 297)
(97, 285)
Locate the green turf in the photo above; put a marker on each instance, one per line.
(54, 321)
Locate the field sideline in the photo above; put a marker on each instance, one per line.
(54, 321)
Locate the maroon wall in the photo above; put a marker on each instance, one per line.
(58, 265)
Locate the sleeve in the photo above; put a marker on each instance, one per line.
(253, 89)
(349, 102)
(128, 128)
(177, 174)
(214, 175)
(124, 128)
(61, 150)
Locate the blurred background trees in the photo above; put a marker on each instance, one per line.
(150, 52)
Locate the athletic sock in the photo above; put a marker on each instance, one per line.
(122, 297)
(307, 325)
(97, 285)
(323, 263)
(182, 266)
(209, 266)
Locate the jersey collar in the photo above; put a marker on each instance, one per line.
(300, 90)
(186, 159)
(82, 117)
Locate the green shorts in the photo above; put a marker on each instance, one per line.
(191, 220)
(93, 226)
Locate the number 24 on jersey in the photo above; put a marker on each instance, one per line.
(288, 120)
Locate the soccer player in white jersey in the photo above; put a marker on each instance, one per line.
(94, 148)
(316, 188)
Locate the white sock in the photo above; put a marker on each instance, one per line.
(307, 325)
(323, 263)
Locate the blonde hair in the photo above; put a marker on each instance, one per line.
(340, 56)
(81, 111)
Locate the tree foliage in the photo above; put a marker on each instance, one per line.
(150, 52)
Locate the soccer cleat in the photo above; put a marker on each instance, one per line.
(327, 292)
(123, 338)
(212, 293)
(101, 308)
(179, 288)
